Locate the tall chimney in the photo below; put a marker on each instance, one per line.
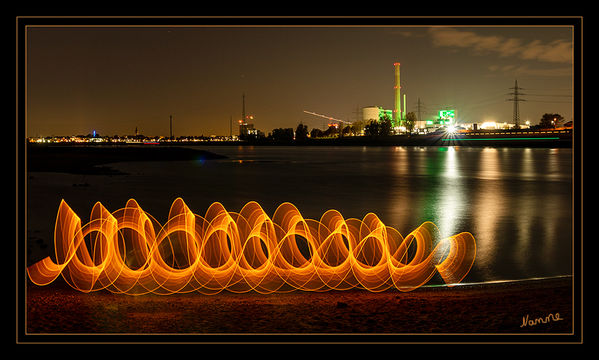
(171, 126)
(397, 102)
(243, 108)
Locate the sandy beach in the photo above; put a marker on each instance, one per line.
(476, 308)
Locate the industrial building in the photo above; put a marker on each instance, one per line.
(397, 115)
(245, 128)
(446, 117)
(370, 113)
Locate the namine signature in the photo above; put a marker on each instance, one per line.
(540, 320)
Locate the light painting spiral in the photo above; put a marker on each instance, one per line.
(129, 252)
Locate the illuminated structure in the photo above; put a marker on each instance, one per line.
(243, 107)
(129, 252)
(246, 128)
(397, 112)
(397, 115)
(375, 113)
(405, 108)
(446, 117)
(370, 113)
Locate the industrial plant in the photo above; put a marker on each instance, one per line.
(398, 120)
(246, 128)
(398, 115)
(399, 112)
(446, 117)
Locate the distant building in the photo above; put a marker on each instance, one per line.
(246, 128)
(377, 113)
(446, 117)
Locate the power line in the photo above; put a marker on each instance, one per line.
(550, 95)
(516, 100)
(419, 108)
(551, 89)
(358, 113)
(552, 102)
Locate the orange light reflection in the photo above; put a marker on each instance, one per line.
(129, 252)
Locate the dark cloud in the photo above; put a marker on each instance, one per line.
(557, 51)
(525, 70)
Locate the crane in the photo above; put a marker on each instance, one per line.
(327, 117)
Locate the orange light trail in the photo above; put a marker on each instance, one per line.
(129, 252)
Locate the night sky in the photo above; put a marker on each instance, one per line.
(114, 79)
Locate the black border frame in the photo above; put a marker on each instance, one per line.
(575, 21)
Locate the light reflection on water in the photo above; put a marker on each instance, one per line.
(488, 210)
(515, 201)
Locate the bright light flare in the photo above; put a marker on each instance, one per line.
(129, 252)
(489, 125)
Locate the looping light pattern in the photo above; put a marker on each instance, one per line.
(129, 252)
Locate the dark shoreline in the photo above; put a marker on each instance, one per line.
(88, 159)
(488, 308)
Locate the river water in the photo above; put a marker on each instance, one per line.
(517, 202)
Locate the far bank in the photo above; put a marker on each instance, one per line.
(522, 138)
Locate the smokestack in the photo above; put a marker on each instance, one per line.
(171, 126)
(397, 102)
(243, 108)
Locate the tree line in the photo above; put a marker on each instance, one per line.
(371, 128)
